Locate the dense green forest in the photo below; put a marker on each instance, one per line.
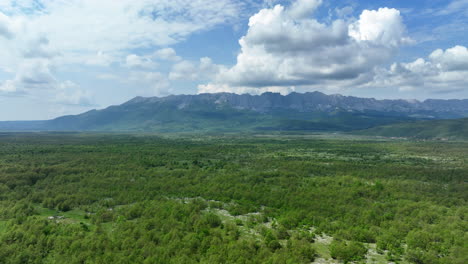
(107, 198)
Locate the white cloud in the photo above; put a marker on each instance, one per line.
(149, 61)
(285, 48)
(208, 69)
(383, 27)
(35, 77)
(69, 93)
(136, 61)
(153, 83)
(455, 6)
(39, 48)
(452, 59)
(32, 75)
(184, 70)
(89, 32)
(6, 30)
(8, 87)
(205, 69)
(168, 54)
(344, 12)
(99, 59)
(442, 72)
(38, 35)
(303, 8)
(108, 25)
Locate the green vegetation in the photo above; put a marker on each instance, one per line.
(347, 251)
(441, 129)
(99, 198)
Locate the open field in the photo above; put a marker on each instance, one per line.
(238, 198)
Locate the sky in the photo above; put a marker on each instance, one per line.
(61, 57)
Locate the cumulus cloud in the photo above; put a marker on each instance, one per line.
(443, 71)
(288, 48)
(453, 59)
(382, 27)
(168, 54)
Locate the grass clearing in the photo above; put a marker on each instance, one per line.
(72, 216)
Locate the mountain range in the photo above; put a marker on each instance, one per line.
(224, 112)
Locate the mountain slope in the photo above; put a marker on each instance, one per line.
(450, 129)
(231, 112)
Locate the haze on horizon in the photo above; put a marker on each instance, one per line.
(66, 57)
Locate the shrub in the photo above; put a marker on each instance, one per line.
(347, 251)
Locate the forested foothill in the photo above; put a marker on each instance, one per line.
(110, 198)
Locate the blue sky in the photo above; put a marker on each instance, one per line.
(66, 57)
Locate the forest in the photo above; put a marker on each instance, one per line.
(231, 198)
